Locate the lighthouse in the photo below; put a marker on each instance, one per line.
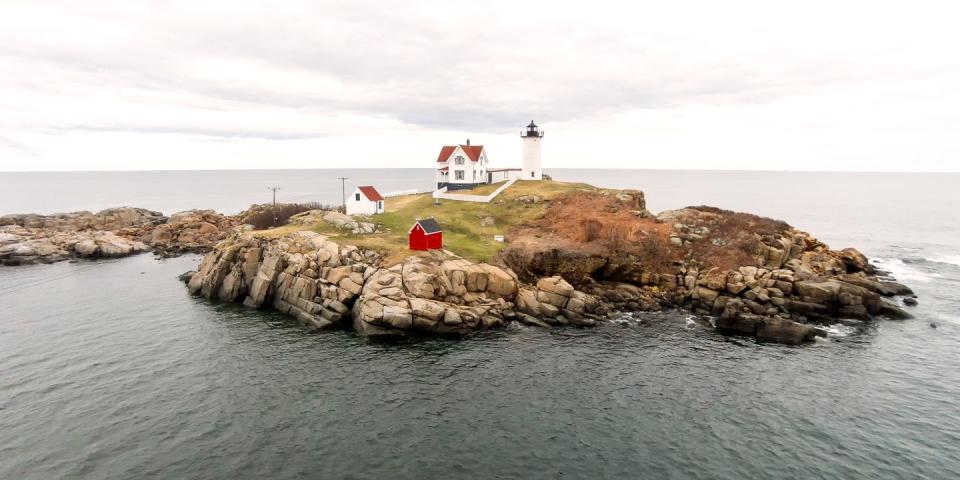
(532, 138)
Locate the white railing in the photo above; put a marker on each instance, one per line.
(412, 191)
(442, 193)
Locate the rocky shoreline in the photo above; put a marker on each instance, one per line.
(797, 284)
(323, 284)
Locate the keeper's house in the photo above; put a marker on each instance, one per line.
(462, 166)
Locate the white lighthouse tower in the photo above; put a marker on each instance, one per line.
(532, 138)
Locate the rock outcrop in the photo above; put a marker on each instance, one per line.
(737, 319)
(757, 276)
(804, 281)
(115, 232)
(435, 294)
(110, 219)
(194, 231)
(303, 275)
(555, 302)
(22, 246)
(323, 284)
(30, 238)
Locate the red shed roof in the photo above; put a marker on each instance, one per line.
(371, 193)
(472, 151)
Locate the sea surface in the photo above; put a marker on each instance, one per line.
(110, 370)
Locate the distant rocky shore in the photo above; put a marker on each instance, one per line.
(115, 232)
(118, 232)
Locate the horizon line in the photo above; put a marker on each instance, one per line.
(545, 169)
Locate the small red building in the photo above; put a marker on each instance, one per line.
(425, 234)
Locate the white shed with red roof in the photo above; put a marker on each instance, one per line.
(365, 200)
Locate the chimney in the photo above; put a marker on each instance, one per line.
(468, 142)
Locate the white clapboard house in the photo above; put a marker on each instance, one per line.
(365, 200)
(462, 166)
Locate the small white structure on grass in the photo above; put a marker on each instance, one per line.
(365, 200)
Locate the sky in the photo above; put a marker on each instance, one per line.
(756, 85)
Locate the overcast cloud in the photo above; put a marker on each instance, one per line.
(833, 85)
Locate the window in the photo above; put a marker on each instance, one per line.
(531, 174)
(458, 160)
(358, 197)
(458, 175)
(380, 205)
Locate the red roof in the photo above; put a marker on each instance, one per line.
(472, 151)
(445, 153)
(371, 193)
(445, 169)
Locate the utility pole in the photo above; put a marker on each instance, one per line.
(274, 194)
(274, 210)
(343, 192)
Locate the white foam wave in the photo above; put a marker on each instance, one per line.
(839, 330)
(514, 325)
(901, 270)
(949, 259)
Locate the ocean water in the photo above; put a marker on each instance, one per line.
(228, 192)
(109, 369)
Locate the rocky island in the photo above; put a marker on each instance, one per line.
(574, 255)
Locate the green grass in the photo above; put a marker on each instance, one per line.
(460, 221)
